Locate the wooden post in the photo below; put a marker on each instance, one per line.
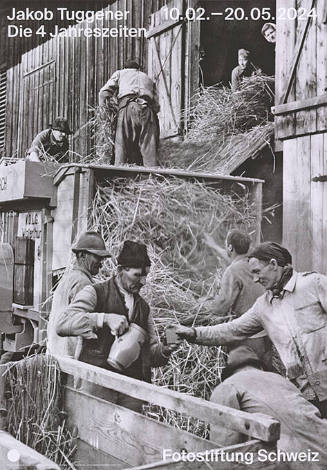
(3, 403)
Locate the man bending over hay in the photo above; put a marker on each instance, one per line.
(89, 316)
(137, 132)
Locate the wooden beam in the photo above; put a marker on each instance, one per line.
(297, 56)
(258, 426)
(128, 436)
(299, 105)
(162, 171)
(161, 28)
(76, 197)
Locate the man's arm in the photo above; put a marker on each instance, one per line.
(237, 330)
(235, 79)
(109, 88)
(37, 147)
(159, 354)
(80, 318)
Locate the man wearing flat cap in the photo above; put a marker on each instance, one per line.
(293, 312)
(118, 296)
(90, 251)
(243, 69)
(51, 144)
(137, 132)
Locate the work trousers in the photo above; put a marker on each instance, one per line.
(137, 135)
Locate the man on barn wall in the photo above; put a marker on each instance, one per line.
(243, 69)
(238, 291)
(87, 313)
(293, 312)
(90, 251)
(51, 144)
(137, 132)
(301, 425)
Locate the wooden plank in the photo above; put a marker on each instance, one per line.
(297, 200)
(163, 27)
(12, 449)
(129, 436)
(285, 44)
(257, 199)
(135, 170)
(299, 105)
(227, 458)
(258, 426)
(306, 74)
(298, 50)
(317, 202)
(321, 62)
(87, 456)
(324, 214)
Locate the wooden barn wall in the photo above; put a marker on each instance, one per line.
(64, 75)
(304, 206)
(303, 112)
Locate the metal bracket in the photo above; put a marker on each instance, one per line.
(319, 179)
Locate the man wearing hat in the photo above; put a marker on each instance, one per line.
(51, 144)
(247, 387)
(137, 132)
(244, 69)
(293, 312)
(90, 251)
(119, 294)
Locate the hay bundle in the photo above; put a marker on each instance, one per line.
(171, 217)
(219, 112)
(226, 128)
(34, 417)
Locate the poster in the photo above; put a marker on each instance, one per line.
(167, 123)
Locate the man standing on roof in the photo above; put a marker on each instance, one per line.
(247, 387)
(90, 252)
(137, 132)
(238, 291)
(86, 317)
(51, 144)
(293, 312)
(244, 69)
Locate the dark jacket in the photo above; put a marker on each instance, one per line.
(84, 317)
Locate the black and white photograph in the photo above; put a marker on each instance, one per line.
(163, 234)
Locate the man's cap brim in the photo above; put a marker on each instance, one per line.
(101, 253)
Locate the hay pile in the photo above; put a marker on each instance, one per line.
(226, 128)
(171, 217)
(34, 417)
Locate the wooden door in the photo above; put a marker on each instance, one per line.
(173, 64)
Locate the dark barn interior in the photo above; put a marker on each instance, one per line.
(221, 39)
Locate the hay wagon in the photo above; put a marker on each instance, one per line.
(42, 210)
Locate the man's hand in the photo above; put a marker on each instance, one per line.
(118, 324)
(185, 332)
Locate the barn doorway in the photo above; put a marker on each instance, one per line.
(221, 38)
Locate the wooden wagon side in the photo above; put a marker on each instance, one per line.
(113, 435)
